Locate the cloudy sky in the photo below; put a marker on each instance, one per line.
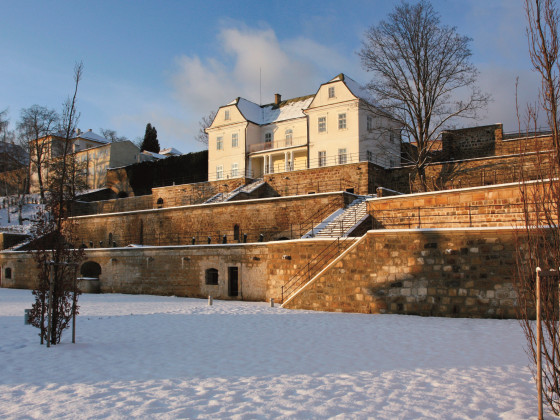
(172, 62)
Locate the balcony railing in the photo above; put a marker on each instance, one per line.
(278, 144)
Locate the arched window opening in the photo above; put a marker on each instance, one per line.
(7, 273)
(212, 276)
(90, 269)
(160, 203)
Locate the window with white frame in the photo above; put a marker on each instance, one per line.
(289, 135)
(331, 92)
(226, 114)
(219, 172)
(322, 158)
(342, 121)
(322, 123)
(342, 156)
(234, 170)
(267, 140)
(220, 143)
(234, 140)
(369, 123)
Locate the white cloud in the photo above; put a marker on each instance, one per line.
(254, 61)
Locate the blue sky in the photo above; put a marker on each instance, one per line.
(171, 62)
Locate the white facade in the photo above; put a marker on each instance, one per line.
(335, 126)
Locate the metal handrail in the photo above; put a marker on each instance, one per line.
(312, 268)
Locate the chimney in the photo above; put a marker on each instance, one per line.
(277, 98)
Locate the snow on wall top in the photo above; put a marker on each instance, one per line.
(266, 114)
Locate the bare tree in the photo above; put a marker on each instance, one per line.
(111, 135)
(422, 76)
(35, 126)
(539, 242)
(203, 124)
(56, 252)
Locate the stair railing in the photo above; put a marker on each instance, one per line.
(312, 268)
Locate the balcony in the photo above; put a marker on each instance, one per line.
(278, 144)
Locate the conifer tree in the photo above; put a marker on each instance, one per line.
(150, 143)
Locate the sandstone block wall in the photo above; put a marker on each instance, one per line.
(275, 218)
(360, 178)
(181, 271)
(471, 207)
(466, 273)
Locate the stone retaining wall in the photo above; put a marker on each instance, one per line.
(466, 273)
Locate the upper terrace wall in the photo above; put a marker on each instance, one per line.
(274, 218)
(469, 173)
(361, 178)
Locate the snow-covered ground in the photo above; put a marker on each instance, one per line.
(168, 357)
(10, 222)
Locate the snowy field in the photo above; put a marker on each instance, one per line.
(167, 357)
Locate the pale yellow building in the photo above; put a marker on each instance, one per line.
(95, 154)
(335, 126)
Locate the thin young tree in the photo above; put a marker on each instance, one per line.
(422, 77)
(56, 252)
(539, 241)
(35, 126)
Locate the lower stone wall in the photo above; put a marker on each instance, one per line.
(262, 268)
(464, 273)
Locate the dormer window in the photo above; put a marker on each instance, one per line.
(226, 114)
(331, 92)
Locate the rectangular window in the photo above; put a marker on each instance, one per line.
(268, 140)
(369, 155)
(322, 158)
(220, 143)
(226, 114)
(342, 121)
(234, 170)
(342, 157)
(219, 172)
(331, 92)
(392, 137)
(234, 140)
(322, 124)
(369, 123)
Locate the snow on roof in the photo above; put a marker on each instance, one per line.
(155, 155)
(171, 151)
(90, 135)
(357, 90)
(266, 114)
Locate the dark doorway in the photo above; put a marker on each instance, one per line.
(233, 281)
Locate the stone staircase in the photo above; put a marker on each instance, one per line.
(342, 223)
(227, 196)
